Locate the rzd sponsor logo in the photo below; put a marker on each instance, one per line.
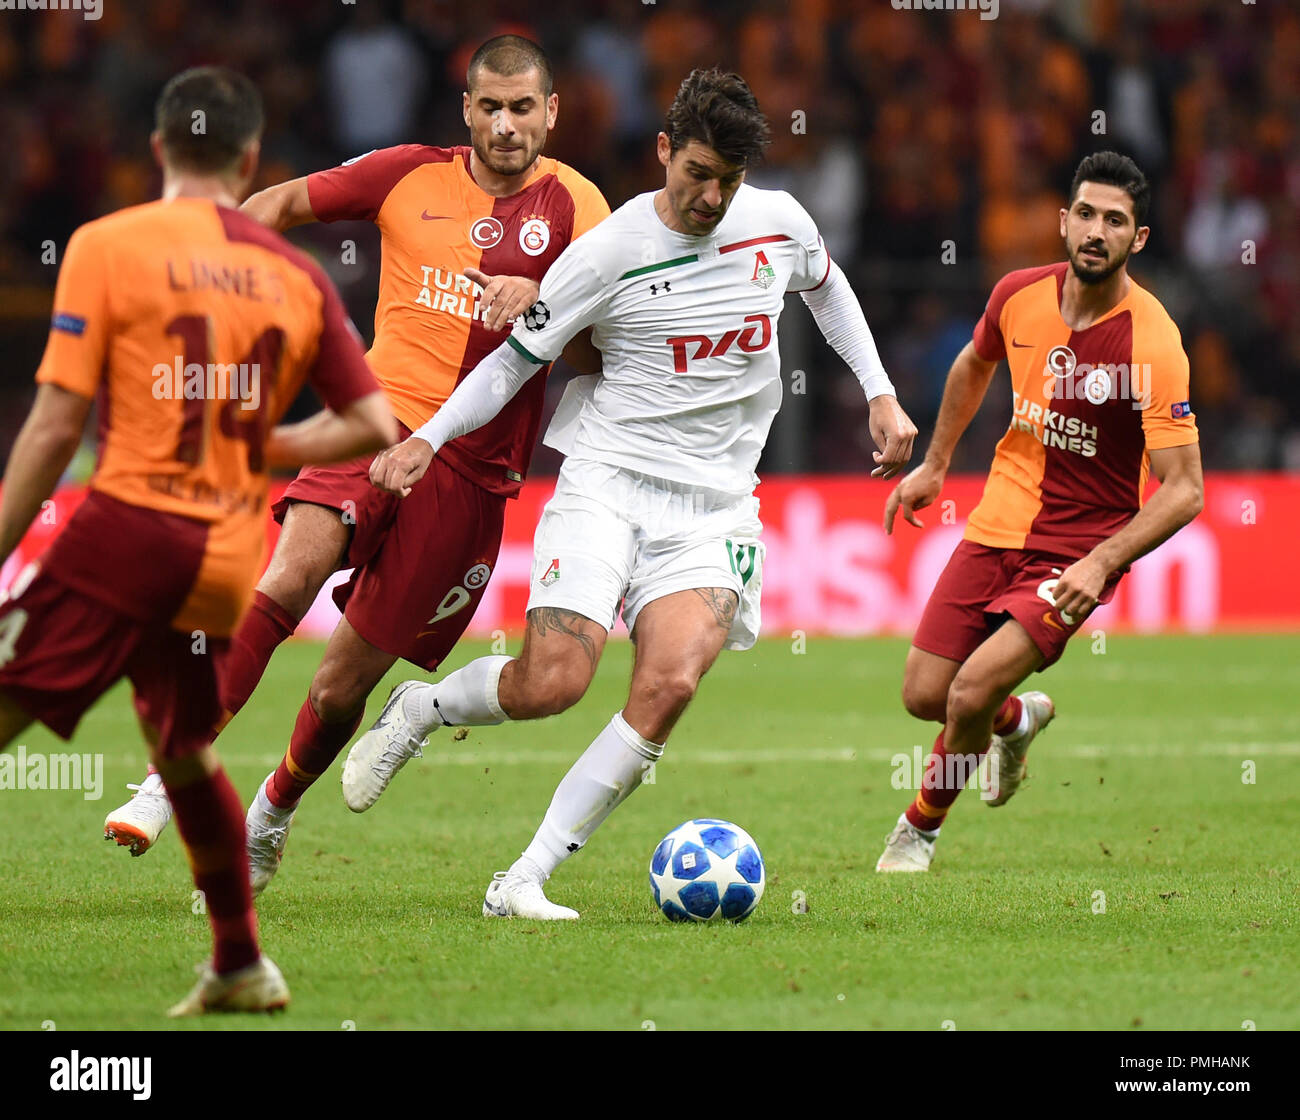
(698, 347)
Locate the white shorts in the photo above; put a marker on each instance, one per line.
(610, 536)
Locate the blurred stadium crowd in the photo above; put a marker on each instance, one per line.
(898, 130)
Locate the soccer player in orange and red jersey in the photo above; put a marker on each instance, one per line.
(194, 328)
(500, 212)
(1100, 384)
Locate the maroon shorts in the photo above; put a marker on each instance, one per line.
(420, 563)
(61, 650)
(982, 585)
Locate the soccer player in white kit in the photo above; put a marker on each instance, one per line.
(654, 508)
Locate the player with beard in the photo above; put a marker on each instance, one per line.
(468, 232)
(1100, 384)
(654, 515)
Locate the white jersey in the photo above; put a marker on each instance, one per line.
(690, 379)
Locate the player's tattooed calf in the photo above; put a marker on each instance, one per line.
(546, 620)
(722, 603)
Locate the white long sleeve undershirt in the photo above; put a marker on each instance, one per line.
(488, 388)
(484, 392)
(840, 319)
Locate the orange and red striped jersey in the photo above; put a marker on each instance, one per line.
(194, 328)
(435, 221)
(1088, 406)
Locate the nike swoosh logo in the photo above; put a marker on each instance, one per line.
(435, 217)
(1022, 345)
(1047, 617)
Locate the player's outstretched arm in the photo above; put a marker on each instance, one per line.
(481, 394)
(840, 319)
(1180, 497)
(45, 445)
(366, 424)
(968, 381)
(571, 284)
(282, 206)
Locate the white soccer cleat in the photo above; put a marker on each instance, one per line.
(139, 823)
(515, 896)
(1003, 768)
(381, 752)
(906, 849)
(259, 987)
(266, 833)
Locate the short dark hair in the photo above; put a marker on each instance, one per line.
(1117, 171)
(231, 117)
(720, 110)
(509, 55)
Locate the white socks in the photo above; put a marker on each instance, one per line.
(153, 783)
(610, 769)
(466, 697)
(929, 834)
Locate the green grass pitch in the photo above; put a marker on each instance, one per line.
(1167, 789)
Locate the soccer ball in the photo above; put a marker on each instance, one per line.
(706, 871)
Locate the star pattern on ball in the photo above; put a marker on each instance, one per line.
(721, 873)
(668, 885)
